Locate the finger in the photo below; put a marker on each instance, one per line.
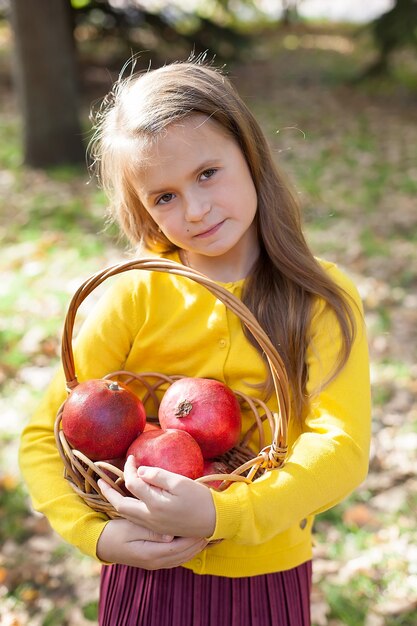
(188, 546)
(187, 553)
(130, 508)
(161, 478)
(134, 532)
(134, 483)
(140, 489)
(109, 493)
(150, 483)
(130, 466)
(178, 552)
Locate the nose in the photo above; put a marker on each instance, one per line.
(196, 206)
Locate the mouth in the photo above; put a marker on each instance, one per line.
(210, 231)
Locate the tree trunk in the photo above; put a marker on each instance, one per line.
(46, 82)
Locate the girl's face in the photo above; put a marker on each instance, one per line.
(197, 187)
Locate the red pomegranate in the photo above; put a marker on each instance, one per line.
(151, 426)
(101, 418)
(119, 463)
(214, 467)
(113, 475)
(205, 408)
(173, 450)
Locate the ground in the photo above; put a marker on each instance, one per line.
(350, 148)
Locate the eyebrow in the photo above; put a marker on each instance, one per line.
(206, 165)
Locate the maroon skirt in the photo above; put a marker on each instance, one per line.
(130, 596)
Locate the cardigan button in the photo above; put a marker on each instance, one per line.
(222, 343)
(303, 523)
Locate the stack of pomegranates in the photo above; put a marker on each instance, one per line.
(199, 420)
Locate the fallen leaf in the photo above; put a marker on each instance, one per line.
(3, 575)
(360, 515)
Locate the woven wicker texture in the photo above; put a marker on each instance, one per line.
(83, 474)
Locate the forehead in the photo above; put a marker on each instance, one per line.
(195, 129)
(183, 144)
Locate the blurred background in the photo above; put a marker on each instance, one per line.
(334, 85)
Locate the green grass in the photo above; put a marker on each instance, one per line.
(381, 395)
(406, 619)
(350, 605)
(90, 611)
(372, 245)
(14, 511)
(54, 617)
(10, 145)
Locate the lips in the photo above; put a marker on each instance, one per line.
(210, 231)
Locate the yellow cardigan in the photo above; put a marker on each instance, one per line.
(151, 321)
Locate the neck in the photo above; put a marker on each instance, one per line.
(226, 268)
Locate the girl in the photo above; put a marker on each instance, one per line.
(191, 178)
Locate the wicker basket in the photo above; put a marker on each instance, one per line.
(241, 463)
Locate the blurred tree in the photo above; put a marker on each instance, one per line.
(131, 22)
(290, 11)
(392, 30)
(46, 82)
(46, 72)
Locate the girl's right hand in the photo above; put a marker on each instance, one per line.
(126, 543)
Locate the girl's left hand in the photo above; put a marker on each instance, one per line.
(167, 503)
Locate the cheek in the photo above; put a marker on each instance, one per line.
(245, 201)
(251, 198)
(169, 224)
(160, 218)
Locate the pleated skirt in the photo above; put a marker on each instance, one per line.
(131, 596)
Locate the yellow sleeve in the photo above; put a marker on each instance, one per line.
(101, 347)
(328, 460)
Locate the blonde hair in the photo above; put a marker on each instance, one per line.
(287, 280)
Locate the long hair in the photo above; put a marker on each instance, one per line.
(286, 280)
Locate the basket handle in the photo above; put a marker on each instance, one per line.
(279, 375)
